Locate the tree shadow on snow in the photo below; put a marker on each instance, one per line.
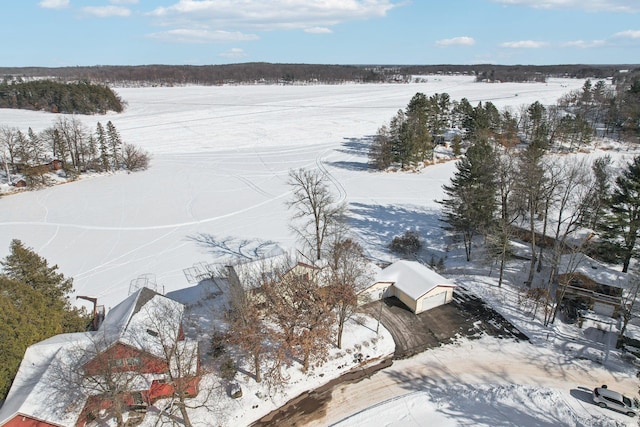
(472, 405)
(379, 224)
(235, 248)
(358, 147)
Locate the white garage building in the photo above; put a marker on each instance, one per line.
(417, 286)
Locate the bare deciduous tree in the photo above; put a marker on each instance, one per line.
(248, 328)
(315, 209)
(8, 147)
(501, 231)
(98, 377)
(629, 309)
(134, 158)
(301, 309)
(161, 334)
(569, 207)
(349, 273)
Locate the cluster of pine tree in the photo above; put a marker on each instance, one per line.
(413, 133)
(48, 95)
(34, 305)
(71, 143)
(597, 109)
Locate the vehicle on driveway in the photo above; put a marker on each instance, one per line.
(606, 398)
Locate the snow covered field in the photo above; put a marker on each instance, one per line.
(221, 156)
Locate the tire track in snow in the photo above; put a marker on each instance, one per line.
(253, 186)
(342, 193)
(145, 228)
(110, 264)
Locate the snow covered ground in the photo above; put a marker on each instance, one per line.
(221, 156)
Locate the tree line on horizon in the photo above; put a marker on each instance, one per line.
(263, 72)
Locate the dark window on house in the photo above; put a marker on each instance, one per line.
(116, 363)
(152, 332)
(133, 361)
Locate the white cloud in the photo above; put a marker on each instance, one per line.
(276, 14)
(456, 41)
(54, 4)
(584, 44)
(123, 1)
(526, 44)
(629, 34)
(106, 11)
(235, 52)
(201, 36)
(318, 30)
(625, 6)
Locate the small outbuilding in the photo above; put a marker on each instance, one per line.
(416, 285)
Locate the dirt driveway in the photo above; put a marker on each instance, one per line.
(465, 316)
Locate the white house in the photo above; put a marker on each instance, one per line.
(416, 285)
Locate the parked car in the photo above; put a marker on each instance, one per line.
(606, 398)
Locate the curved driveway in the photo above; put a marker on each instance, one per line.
(489, 360)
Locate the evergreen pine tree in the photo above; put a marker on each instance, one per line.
(115, 144)
(416, 131)
(621, 224)
(470, 204)
(101, 137)
(33, 306)
(26, 266)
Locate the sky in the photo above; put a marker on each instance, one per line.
(57, 33)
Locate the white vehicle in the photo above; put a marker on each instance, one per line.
(606, 398)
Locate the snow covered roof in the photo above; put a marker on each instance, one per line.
(144, 310)
(39, 377)
(412, 278)
(592, 269)
(251, 273)
(39, 389)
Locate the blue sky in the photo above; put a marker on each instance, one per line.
(57, 33)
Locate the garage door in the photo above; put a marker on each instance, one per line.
(433, 301)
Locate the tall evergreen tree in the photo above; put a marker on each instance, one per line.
(380, 154)
(399, 143)
(538, 132)
(25, 266)
(115, 144)
(34, 306)
(471, 201)
(621, 223)
(416, 131)
(599, 194)
(101, 139)
(530, 192)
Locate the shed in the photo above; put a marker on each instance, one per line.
(416, 285)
